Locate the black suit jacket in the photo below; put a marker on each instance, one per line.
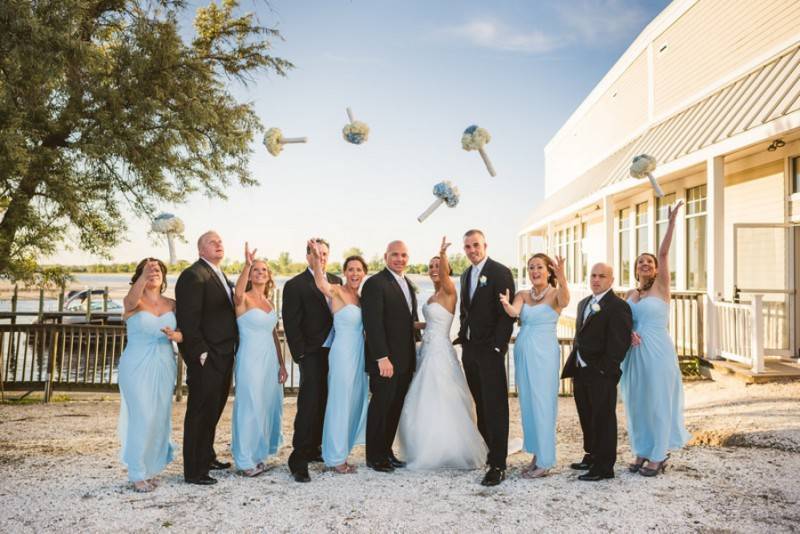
(604, 339)
(205, 314)
(489, 324)
(388, 323)
(307, 319)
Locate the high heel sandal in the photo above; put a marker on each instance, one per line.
(634, 467)
(252, 472)
(535, 472)
(143, 486)
(650, 472)
(344, 469)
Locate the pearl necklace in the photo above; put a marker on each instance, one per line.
(537, 297)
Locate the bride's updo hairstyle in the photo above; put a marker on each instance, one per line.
(449, 270)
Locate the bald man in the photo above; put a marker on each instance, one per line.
(206, 317)
(389, 308)
(602, 338)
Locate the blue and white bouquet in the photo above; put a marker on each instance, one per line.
(475, 138)
(355, 132)
(643, 166)
(274, 140)
(444, 192)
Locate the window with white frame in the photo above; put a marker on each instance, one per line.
(567, 244)
(624, 240)
(795, 170)
(583, 255)
(696, 238)
(642, 229)
(662, 221)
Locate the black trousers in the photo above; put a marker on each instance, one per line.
(596, 400)
(383, 414)
(311, 400)
(209, 386)
(486, 376)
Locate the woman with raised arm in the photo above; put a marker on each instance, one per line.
(537, 358)
(346, 410)
(259, 370)
(437, 424)
(651, 384)
(147, 371)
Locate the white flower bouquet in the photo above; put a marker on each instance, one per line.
(355, 132)
(643, 167)
(444, 192)
(475, 138)
(274, 140)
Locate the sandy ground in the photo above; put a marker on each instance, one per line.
(59, 472)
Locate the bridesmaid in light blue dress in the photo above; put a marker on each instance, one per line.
(346, 409)
(537, 358)
(259, 371)
(147, 372)
(651, 384)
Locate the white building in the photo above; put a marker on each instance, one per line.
(711, 88)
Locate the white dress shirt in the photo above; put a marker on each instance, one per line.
(404, 286)
(475, 276)
(586, 312)
(328, 340)
(221, 277)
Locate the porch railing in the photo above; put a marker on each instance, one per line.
(740, 332)
(85, 357)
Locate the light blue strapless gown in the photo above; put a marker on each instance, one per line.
(258, 404)
(147, 371)
(346, 410)
(651, 384)
(536, 363)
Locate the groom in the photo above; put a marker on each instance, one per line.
(389, 308)
(484, 334)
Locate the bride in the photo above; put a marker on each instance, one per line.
(437, 425)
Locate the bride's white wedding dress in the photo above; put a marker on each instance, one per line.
(437, 425)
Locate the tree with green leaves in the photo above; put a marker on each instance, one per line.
(352, 251)
(104, 104)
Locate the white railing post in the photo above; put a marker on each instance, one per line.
(712, 328)
(757, 334)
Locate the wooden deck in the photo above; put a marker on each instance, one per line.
(775, 371)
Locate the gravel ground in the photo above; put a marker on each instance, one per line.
(59, 472)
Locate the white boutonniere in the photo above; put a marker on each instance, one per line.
(595, 307)
(482, 280)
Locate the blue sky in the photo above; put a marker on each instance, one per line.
(418, 73)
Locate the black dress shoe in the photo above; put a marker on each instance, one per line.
(301, 476)
(394, 462)
(204, 480)
(493, 477)
(583, 465)
(594, 477)
(216, 464)
(381, 467)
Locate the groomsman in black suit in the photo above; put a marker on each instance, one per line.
(602, 338)
(484, 334)
(206, 317)
(389, 308)
(308, 324)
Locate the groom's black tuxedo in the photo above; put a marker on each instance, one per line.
(307, 321)
(207, 320)
(389, 327)
(484, 334)
(602, 340)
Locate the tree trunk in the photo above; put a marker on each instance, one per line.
(14, 218)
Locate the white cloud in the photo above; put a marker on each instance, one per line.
(499, 36)
(597, 21)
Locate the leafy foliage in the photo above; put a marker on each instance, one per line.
(103, 103)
